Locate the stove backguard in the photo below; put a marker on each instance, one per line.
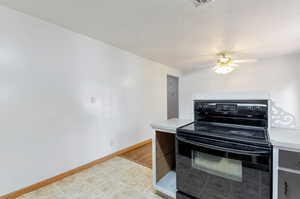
(234, 112)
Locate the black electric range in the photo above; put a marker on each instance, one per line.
(226, 152)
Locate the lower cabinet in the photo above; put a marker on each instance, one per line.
(164, 168)
(288, 185)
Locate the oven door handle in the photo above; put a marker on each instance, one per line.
(225, 149)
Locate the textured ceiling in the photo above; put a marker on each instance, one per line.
(174, 32)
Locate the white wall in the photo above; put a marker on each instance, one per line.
(48, 76)
(279, 76)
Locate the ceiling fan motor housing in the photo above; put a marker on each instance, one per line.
(201, 2)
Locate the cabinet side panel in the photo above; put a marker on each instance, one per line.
(165, 154)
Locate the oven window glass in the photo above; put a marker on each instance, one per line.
(218, 166)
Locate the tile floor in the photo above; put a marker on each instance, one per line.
(114, 179)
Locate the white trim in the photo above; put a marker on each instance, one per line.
(275, 172)
(289, 170)
(154, 158)
(282, 148)
(165, 191)
(165, 131)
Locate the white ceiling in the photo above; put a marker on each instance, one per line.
(174, 32)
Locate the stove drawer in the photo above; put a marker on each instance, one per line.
(290, 160)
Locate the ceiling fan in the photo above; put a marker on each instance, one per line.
(201, 2)
(226, 64)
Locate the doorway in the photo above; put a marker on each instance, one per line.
(172, 96)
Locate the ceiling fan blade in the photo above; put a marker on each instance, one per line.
(202, 59)
(244, 61)
(208, 65)
(198, 67)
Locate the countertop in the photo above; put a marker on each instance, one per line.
(285, 138)
(170, 125)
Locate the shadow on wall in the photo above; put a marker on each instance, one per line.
(281, 118)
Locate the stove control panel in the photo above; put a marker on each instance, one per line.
(247, 112)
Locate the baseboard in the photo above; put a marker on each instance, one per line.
(71, 172)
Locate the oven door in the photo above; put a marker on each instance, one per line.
(208, 169)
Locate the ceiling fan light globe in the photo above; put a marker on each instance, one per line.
(224, 59)
(233, 65)
(223, 69)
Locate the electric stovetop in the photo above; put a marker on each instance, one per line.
(249, 135)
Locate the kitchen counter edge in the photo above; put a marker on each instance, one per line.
(285, 138)
(170, 125)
